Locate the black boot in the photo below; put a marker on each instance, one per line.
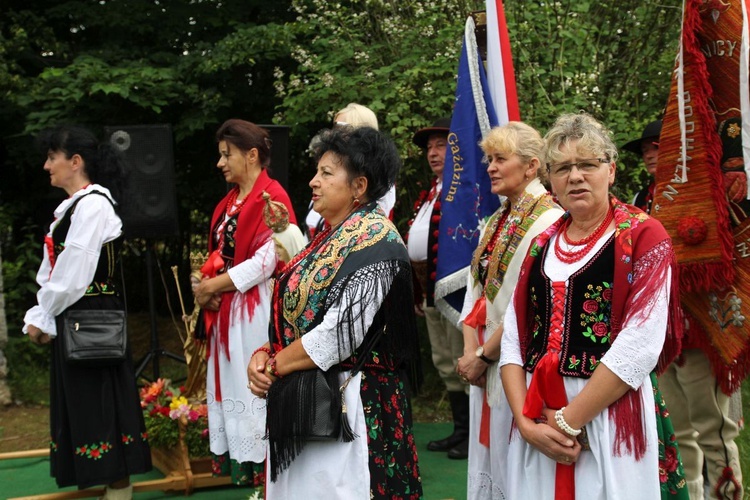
(461, 420)
(460, 451)
(460, 409)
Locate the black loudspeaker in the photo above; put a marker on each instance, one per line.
(279, 153)
(149, 204)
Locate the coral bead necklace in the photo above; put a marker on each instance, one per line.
(571, 256)
(233, 208)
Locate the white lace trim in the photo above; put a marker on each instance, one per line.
(237, 426)
(481, 487)
(322, 343)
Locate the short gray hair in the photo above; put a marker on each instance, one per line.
(592, 136)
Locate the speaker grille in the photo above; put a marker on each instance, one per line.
(149, 204)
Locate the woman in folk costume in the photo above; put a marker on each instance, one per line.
(342, 310)
(594, 314)
(352, 115)
(514, 151)
(235, 295)
(96, 422)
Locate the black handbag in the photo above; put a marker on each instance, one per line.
(320, 421)
(326, 418)
(309, 405)
(94, 337)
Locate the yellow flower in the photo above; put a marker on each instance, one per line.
(178, 402)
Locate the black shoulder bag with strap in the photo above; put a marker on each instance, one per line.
(94, 337)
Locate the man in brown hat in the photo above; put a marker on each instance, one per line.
(446, 340)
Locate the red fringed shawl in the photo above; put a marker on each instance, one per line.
(251, 234)
(643, 256)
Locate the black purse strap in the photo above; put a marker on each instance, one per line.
(361, 361)
(368, 347)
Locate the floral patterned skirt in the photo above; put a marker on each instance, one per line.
(394, 469)
(671, 474)
(242, 473)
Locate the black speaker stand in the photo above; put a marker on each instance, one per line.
(156, 350)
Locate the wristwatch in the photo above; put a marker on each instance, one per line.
(480, 355)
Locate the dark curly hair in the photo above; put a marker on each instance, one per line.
(363, 151)
(102, 162)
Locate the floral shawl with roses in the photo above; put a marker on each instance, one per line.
(643, 258)
(322, 276)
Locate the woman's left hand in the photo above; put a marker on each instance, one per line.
(472, 369)
(549, 414)
(548, 440)
(38, 337)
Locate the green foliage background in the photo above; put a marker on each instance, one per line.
(195, 63)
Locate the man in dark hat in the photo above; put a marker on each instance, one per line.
(647, 147)
(446, 340)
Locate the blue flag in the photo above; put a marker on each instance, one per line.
(466, 197)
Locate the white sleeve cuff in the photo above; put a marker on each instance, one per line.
(37, 317)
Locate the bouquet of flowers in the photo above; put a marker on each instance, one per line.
(165, 409)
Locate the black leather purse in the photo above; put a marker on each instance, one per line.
(322, 421)
(327, 419)
(94, 337)
(309, 405)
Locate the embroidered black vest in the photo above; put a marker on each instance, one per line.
(228, 247)
(588, 305)
(103, 282)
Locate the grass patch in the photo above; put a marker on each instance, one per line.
(28, 374)
(743, 440)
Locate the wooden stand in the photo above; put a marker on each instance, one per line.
(180, 472)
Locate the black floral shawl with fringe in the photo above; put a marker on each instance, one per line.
(322, 276)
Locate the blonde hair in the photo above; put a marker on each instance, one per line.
(520, 139)
(357, 115)
(592, 136)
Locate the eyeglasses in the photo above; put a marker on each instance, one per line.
(584, 166)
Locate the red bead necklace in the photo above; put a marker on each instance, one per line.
(233, 210)
(568, 256)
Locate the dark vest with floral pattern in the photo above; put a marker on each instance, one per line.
(230, 241)
(586, 329)
(103, 282)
